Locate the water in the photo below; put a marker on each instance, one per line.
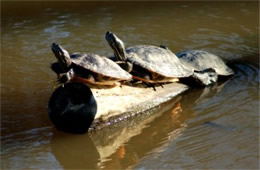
(215, 128)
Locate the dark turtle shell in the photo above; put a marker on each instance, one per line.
(103, 66)
(157, 60)
(201, 60)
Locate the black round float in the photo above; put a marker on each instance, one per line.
(72, 108)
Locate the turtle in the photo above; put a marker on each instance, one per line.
(206, 66)
(91, 69)
(148, 63)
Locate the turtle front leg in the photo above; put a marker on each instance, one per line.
(56, 67)
(143, 75)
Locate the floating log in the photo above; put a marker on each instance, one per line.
(76, 108)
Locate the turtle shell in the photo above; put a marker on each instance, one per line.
(200, 60)
(157, 60)
(100, 65)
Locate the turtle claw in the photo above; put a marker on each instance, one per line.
(150, 85)
(161, 85)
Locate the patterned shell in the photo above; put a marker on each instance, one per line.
(200, 60)
(100, 65)
(159, 60)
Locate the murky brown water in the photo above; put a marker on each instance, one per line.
(215, 128)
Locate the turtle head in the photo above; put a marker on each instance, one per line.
(62, 56)
(64, 78)
(117, 45)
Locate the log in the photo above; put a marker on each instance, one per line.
(76, 108)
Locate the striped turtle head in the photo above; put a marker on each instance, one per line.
(62, 56)
(117, 45)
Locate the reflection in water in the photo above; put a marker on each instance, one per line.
(112, 139)
(74, 151)
(116, 145)
(180, 136)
